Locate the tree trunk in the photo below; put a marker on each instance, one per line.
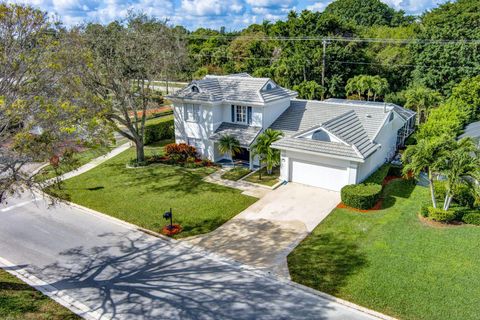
(260, 170)
(140, 151)
(432, 190)
(231, 157)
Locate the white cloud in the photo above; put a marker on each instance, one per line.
(318, 6)
(271, 3)
(210, 7)
(413, 6)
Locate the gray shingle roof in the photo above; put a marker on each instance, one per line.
(245, 134)
(236, 87)
(402, 112)
(472, 130)
(354, 123)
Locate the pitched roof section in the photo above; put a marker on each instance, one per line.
(402, 112)
(348, 128)
(235, 87)
(244, 134)
(354, 123)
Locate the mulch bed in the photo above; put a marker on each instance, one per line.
(436, 224)
(378, 205)
(176, 229)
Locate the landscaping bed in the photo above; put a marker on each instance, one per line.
(141, 196)
(267, 179)
(391, 261)
(236, 173)
(20, 301)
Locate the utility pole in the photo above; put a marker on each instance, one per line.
(324, 42)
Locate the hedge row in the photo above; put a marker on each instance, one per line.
(361, 196)
(159, 131)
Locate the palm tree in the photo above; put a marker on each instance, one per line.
(459, 160)
(262, 148)
(424, 157)
(379, 87)
(230, 145)
(422, 99)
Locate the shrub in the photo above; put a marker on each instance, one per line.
(441, 215)
(472, 218)
(395, 171)
(361, 196)
(378, 176)
(464, 196)
(440, 189)
(424, 210)
(180, 152)
(159, 131)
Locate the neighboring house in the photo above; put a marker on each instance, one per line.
(327, 144)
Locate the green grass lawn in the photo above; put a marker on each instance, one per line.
(82, 158)
(267, 179)
(236, 173)
(20, 301)
(142, 195)
(390, 261)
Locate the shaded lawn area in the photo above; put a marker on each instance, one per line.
(267, 179)
(236, 173)
(20, 301)
(141, 196)
(390, 261)
(82, 158)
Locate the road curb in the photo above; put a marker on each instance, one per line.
(53, 293)
(214, 256)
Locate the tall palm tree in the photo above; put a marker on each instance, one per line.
(459, 160)
(262, 148)
(422, 99)
(230, 145)
(424, 157)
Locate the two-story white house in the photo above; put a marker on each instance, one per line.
(326, 144)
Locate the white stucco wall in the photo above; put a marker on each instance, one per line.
(387, 138)
(201, 130)
(273, 110)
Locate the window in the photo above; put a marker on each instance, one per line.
(192, 112)
(195, 89)
(197, 143)
(241, 114)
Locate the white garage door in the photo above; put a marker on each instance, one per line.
(318, 175)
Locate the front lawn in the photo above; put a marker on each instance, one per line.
(267, 179)
(142, 195)
(390, 261)
(236, 173)
(20, 301)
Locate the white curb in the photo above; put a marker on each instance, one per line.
(58, 296)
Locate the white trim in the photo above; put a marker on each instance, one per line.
(320, 153)
(381, 127)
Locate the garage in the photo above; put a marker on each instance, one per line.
(319, 175)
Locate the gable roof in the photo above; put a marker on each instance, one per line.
(354, 124)
(232, 88)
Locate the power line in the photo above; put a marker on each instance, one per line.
(229, 57)
(342, 39)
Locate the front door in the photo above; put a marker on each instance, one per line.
(243, 155)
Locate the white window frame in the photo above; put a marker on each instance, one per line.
(197, 143)
(241, 113)
(192, 112)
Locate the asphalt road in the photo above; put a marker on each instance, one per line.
(121, 273)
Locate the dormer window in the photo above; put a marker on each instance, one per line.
(195, 89)
(269, 86)
(321, 135)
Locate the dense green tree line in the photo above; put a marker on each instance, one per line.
(427, 59)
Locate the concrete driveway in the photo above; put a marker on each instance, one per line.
(265, 233)
(110, 270)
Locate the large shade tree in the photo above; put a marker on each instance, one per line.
(124, 58)
(40, 113)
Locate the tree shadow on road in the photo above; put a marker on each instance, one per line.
(148, 278)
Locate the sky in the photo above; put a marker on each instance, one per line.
(233, 14)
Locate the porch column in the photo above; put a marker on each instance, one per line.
(250, 162)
